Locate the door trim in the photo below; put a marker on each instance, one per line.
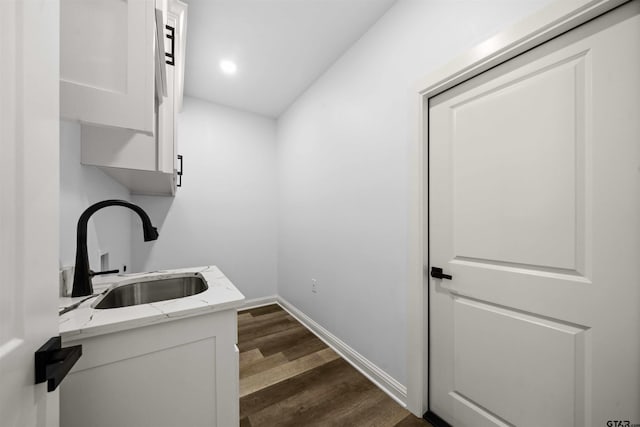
(550, 22)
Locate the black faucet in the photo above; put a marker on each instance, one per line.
(82, 285)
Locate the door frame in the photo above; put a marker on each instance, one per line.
(551, 21)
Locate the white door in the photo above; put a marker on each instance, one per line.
(28, 206)
(534, 178)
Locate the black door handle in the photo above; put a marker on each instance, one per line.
(53, 362)
(437, 273)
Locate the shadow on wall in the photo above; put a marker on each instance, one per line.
(81, 186)
(158, 210)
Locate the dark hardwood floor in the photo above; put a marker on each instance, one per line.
(289, 377)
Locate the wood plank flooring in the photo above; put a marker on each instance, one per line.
(289, 377)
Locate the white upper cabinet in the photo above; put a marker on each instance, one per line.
(178, 12)
(107, 68)
(175, 41)
(122, 68)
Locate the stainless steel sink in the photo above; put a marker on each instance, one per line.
(148, 291)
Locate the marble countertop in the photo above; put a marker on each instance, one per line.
(86, 321)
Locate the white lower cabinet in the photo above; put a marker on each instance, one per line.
(182, 372)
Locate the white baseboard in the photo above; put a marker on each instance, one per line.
(384, 381)
(258, 302)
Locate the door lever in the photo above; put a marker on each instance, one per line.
(53, 362)
(436, 272)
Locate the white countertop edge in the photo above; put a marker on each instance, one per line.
(86, 322)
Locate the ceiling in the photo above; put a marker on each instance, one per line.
(280, 47)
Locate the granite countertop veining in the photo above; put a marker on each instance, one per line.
(86, 321)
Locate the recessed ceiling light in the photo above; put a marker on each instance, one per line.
(228, 67)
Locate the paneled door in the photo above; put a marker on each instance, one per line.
(534, 212)
(29, 192)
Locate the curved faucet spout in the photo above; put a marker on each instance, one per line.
(82, 285)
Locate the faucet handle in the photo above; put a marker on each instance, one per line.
(99, 273)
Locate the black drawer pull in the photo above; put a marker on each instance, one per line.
(171, 36)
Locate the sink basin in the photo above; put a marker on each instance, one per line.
(147, 291)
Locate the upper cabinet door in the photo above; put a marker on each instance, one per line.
(107, 72)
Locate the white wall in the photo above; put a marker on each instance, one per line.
(343, 178)
(225, 213)
(109, 229)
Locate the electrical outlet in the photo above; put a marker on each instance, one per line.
(314, 286)
(104, 261)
